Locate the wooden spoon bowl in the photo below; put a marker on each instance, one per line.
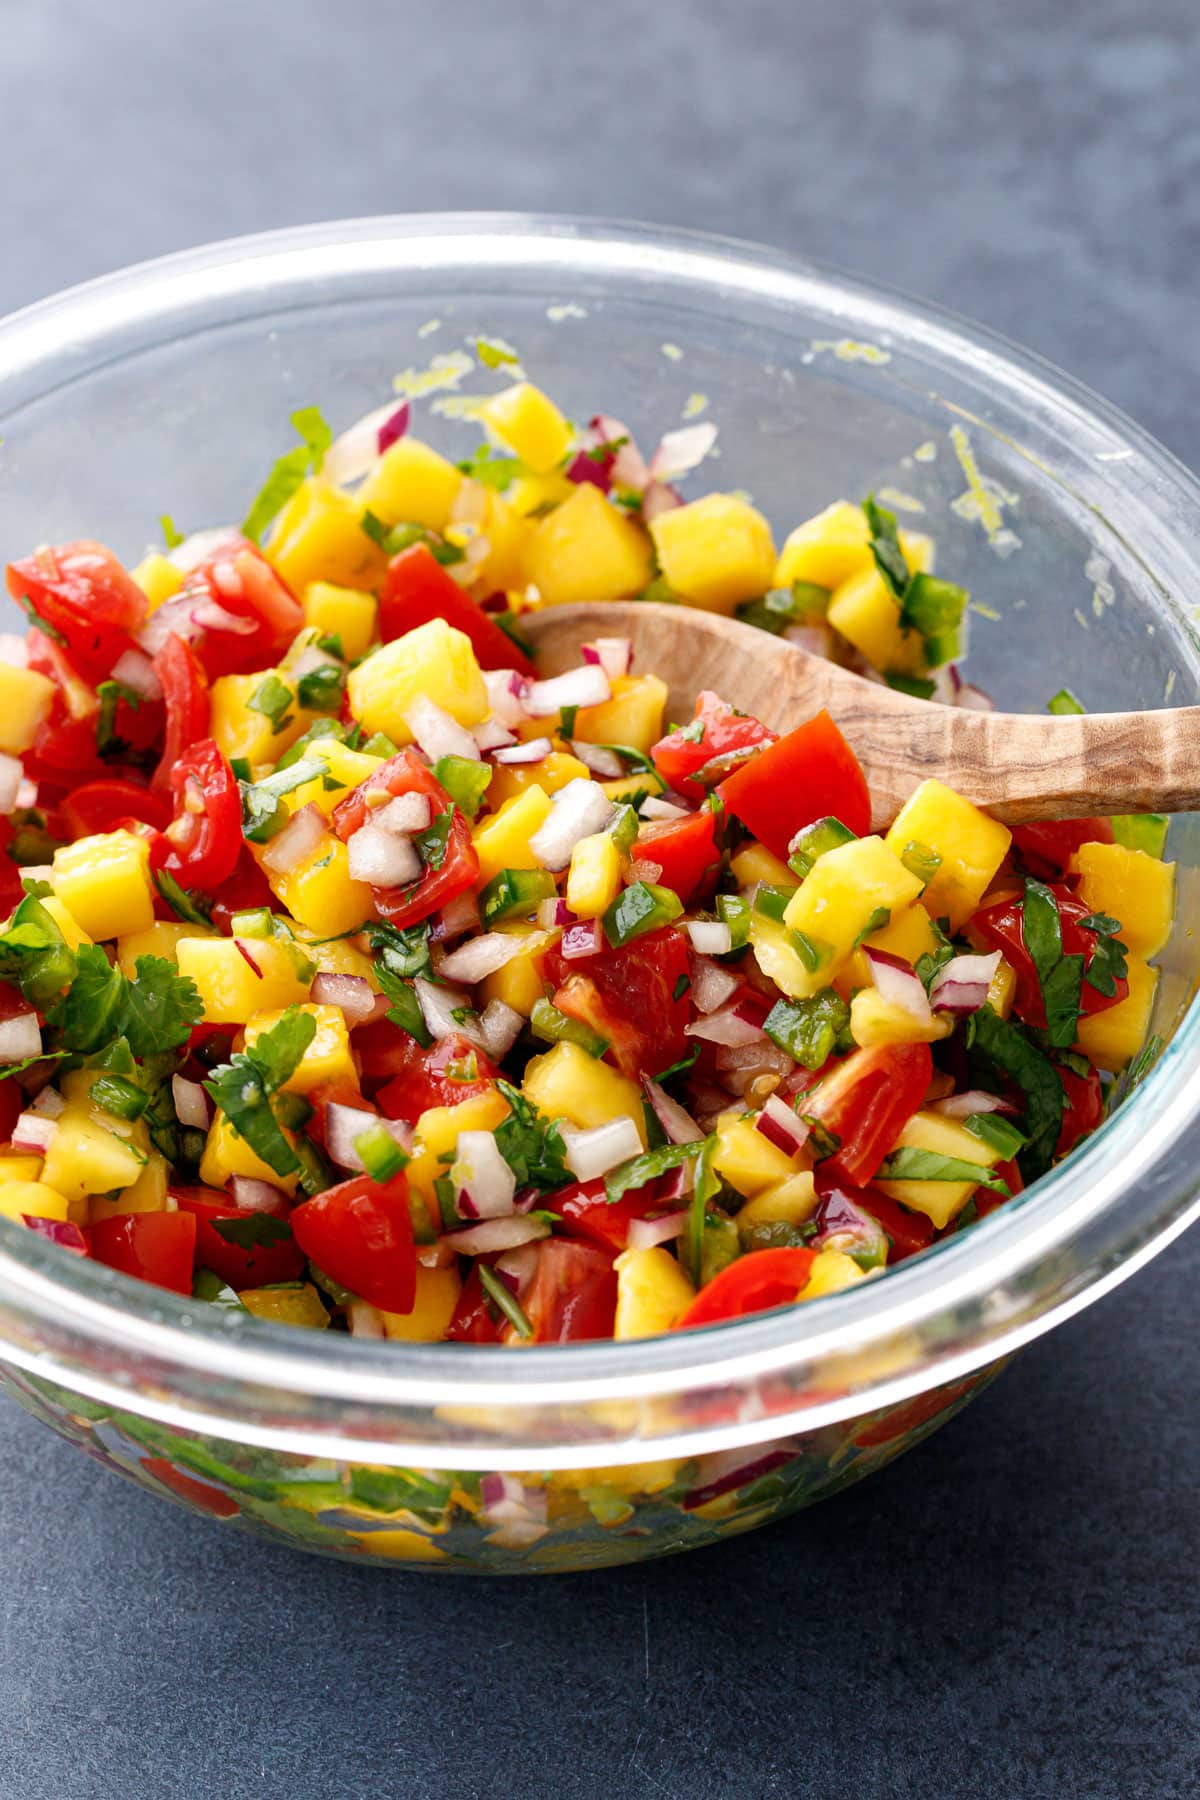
(1020, 767)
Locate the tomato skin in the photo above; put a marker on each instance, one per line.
(405, 773)
(1084, 1108)
(81, 591)
(244, 890)
(1047, 846)
(201, 848)
(586, 1213)
(912, 1413)
(197, 1493)
(255, 1267)
(419, 1076)
(102, 805)
(11, 1096)
(684, 849)
(237, 577)
(754, 1283)
(1003, 926)
(907, 1231)
(677, 756)
(360, 1233)
(159, 1247)
(865, 1102)
(628, 996)
(572, 1295)
(810, 774)
(416, 589)
(472, 1321)
(185, 693)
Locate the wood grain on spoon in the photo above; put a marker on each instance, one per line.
(1019, 766)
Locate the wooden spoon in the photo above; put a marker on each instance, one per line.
(1018, 766)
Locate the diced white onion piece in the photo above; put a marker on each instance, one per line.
(816, 640)
(254, 1196)
(533, 750)
(484, 1185)
(344, 1124)
(973, 699)
(134, 670)
(585, 686)
(675, 1120)
(682, 451)
(590, 1154)
(457, 917)
(437, 733)
(492, 735)
(438, 1005)
(34, 1132)
(781, 1126)
(644, 1234)
(710, 937)
(500, 1026)
(49, 1103)
(605, 763)
(899, 984)
(12, 774)
(404, 815)
(659, 497)
(496, 1234)
(13, 650)
(712, 985)
(614, 655)
(352, 994)
(655, 807)
(481, 956)
(506, 694)
(726, 1027)
(581, 809)
(27, 795)
(962, 985)
(974, 1100)
(191, 1103)
(20, 1038)
(198, 546)
(365, 1320)
(381, 857)
(298, 839)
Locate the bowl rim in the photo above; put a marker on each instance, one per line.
(950, 1294)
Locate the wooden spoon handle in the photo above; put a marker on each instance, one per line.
(1021, 767)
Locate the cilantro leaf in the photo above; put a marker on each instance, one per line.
(531, 1144)
(644, 1168)
(404, 950)
(909, 1164)
(1006, 1047)
(1109, 960)
(706, 1185)
(272, 698)
(258, 1231)
(91, 1012)
(405, 1010)
(161, 1006)
(890, 559)
(1058, 976)
(432, 842)
(289, 471)
(243, 1087)
(185, 906)
(493, 470)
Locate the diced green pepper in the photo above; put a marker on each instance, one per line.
(464, 780)
(381, 1155)
(814, 841)
(1142, 831)
(555, 1027)
(513, 892)
(637, 909)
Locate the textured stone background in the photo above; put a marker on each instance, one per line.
(1013, 1610)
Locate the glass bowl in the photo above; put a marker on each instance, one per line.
(167, 389)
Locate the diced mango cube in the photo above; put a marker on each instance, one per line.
(1002, 989)
(433, 1308)
(226, 1154)
(634, 715)
(867, 614)
(73, 933)
(88, 1154)
(553, 772)
(539, 493)
(32, 1198)
(826, 549)
(158, 578)
(569, 1084)
(160, 939)
(940, 1201)
(908, 933)
(104, 882)
(319, 537)
(502, 838)
(594, 875)
(749, 1161)
(788, 1202)
(328, 1057)
(411, 485)
(25, 701)
(715, 551)
(234, 984)
(438, 1131)
(530, 424)
(834, 905)
(321, 894)
(972, 847)
(287, 1305)
(780, 961)
(874, 1020)
(1128, 885)
(586, 550)
(240, 730)
(18, 1167)
(832, 1271)
(343, 613)
(346, 768)
(435, 661)
(652, 1292)
(1113, 1037)
(147, 1194)
(753, 863)
(520, 982)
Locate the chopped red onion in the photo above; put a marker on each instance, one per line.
(710, 937)
(605, 763)
(352, 454)
(590, 1154)
(198, 546)
(172, 619)
(34, 1132)
(962, 985)
(554, 911)
(482, 956)
(259, 1196)
(655, 807)
(378, 856)
(580, 809)
(438, 1006)
(20, 1038)
(134, 670)
(781, 1126)
(974, 1100)
(484, 1185)
(675, 1120)
(506, 694)
(516, 1268)
(13, 650)
(660, 497)
(298, 839)
(682, 451)
(492, 735)
(352, 994)
(899, 984)
(506, 1497)
(584, 938)
(365, 1320)
(210, 617)
(644, 1234)
(814, 640)
(628, 468)
(456, 918)
(496, 1234)
(12, 775)
(437, 733)
(246, 957)
(711, 985)
(726, 1026)
(726, 1470)
(613, 654)
(533, 750)
(500, 1026)
(393, 427)
(404, 815)
(62, 1232)
(191, 1103)
(973, 699)
(585, 686)
(596, 471)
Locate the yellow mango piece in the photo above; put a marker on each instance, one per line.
(972, 847)
(502, 838)
(908, 933)
(319, 537)
(437, 1133)
(411, 485)
(780, 961)
(104, 882)
(18, 1167)
(866, 612)
(240, 731)
(553, 772)
(231, 990)
(73, 933)
(436, 1297)
(1112, 1038)
(398, 1545)
(520, 983)
(633, 716)
(874, 1020)
(321, 893)
(826, 549)
(348, 768)
(434, 661)
(652, 1292)
(327, 1058)
(832, 1271)
(790, 1202)
(506, 531)
(160, 939)
(1130, 886)
(628, 787)
(287, 1305)
(158, 578)
(530, 424)
(835, 903)
(715, 551)
(147, 1194)
(594, 876)
(754, 863)
(34, 1198)
(940, 1201)
(338, 957)
(569, 1084)
(226, 1154)
(1002, 989)
(25, 701)
(749, 1161)
(538, 493)
(587, 550)
(341, 612)
(88, 1156)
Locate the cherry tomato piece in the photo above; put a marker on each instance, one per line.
(684, 851)
(255, 1264)
(80, 592)
(103, 805)
(185, 694)
(865, 1102)
(635, 996)
(1003, 925)
(448, 1072)
(573, 1293)
(416, 589)
(159, 1247)
(810, 774)
(202, 846)
(360, 1233)
(717, 735)
(458, 870)
(754, 1283)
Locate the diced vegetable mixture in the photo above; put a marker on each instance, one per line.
(359, 978)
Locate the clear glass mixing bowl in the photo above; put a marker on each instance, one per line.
(167, 388)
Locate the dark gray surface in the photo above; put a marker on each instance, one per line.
(1013, 1610)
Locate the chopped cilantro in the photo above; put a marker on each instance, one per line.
(493, 470)
(1059, 976)
(243, 1087)
(257, 1231)
(110, 695)
(530, 1144)
(909, 1164)
(1006, 1047)
(172, 536)
(505, 1300)
(320, 690)
(494, 355)
(271, 698)
(433, 841)
(289, 471)
(889, 557)
(647, 1167)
